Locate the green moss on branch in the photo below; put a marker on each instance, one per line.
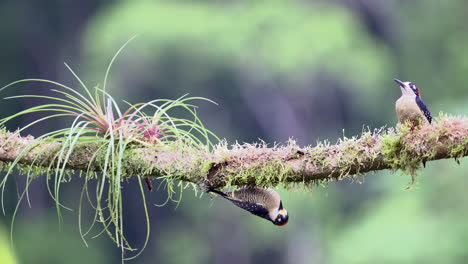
(259, 164)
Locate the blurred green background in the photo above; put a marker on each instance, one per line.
(278, 69)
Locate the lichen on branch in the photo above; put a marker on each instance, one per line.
(259, 164)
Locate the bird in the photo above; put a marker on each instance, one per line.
(263, 202)
(410, 107)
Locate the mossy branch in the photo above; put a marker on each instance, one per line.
(259, 164)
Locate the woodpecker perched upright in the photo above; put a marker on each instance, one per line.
(262, 202)
(410, 107)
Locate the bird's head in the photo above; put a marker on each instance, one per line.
(408, 88)
(282, 217)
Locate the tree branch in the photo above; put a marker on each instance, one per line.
(262, 165)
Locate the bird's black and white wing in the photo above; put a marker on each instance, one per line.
(256, 200)
(253, 208)
(424, 109)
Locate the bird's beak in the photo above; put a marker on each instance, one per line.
(399, 82)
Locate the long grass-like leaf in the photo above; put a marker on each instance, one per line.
(112, 62)
(93, 102)
(83, 98)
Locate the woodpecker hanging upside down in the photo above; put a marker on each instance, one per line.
(410, 107)
(262, 202)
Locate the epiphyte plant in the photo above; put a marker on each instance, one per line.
(99, 120)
